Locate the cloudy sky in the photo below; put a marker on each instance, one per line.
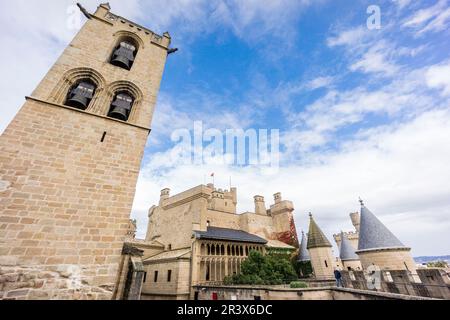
(361, 113)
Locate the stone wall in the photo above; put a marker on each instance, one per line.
(177, 288)
(389, 259)
(430, 283)
(68, 176)
(323, 262)
(279, 293)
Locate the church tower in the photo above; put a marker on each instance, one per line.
(69, 162)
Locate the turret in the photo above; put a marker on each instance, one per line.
(165, 194)
(319, 248)
(260, 205)
(303, 254)
(354, 216)
(379, 246)
(349, 258)
(283, 220)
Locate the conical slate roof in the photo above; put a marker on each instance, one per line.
(303, 252)
(316, 238)
(373, 234)
(347, 251)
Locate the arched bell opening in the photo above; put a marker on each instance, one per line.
(81, 94)
(125, 53)
(121, 106)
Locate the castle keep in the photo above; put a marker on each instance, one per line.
(202, 239)
(69, 162)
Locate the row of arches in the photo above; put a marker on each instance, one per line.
(220, 249)
(86, 89)
(216, 269)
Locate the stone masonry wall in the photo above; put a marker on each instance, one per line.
(67, 198)
(66, 195)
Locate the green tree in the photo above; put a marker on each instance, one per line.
(260, 269)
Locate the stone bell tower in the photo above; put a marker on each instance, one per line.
(70, 159)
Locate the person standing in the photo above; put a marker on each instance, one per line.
(338, 277)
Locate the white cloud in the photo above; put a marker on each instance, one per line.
(350, 37)
(432, 19)
(438, 76)
(320, 82)
(374, 61)
(397, 170)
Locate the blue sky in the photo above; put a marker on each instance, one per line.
(360, 112)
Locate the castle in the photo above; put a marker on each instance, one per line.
(202, 238)
(69, 166)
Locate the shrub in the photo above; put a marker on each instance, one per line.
(298, 284)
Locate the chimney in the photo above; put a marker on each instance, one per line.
(165, 194)
(260, 206)
(277, 197)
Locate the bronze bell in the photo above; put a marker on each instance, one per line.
(121, 107)
(81, 95)
(124, 55)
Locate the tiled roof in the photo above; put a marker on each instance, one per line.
(215, 233)
(303, 254)
(373, 234)
(173, 254)
(278, 244)
(316, 238)
(347, 251)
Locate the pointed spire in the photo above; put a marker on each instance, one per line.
(316, 238)
(373, 233)
(347, 251)
(303, 252)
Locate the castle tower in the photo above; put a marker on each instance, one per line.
(303, 254)
(70, 159)
(283, 220)
(260, 205)
(354, 216)
(347, 254)
(320, 251)
(379, 246)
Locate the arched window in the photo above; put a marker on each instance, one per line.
(121, 106)
(124, 53)
(81, 94)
